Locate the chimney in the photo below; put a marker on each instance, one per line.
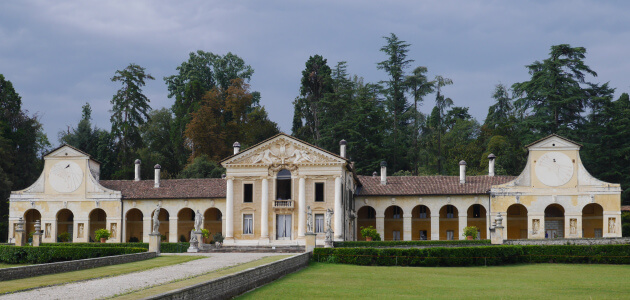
(157, 176)
(342, 148)
(237, 147)
(491, 158)
(137, 170)
(462, 172)
(374, 174)
(383, 172)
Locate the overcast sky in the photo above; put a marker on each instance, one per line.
(61, 54)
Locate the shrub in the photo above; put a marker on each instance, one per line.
(218, 238)
(102, 234)
(133, 239)
(370, 231)
(205, 233)
(182, 238)
(39, 255)
(164, 247)
(471, 231)
(407, 243)
(64, 237)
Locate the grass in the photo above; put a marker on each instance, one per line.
(178, 284)
(322, 280)
(2, 266)
(61, 278)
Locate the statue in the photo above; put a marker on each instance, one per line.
(573, 226)
(535, 226)
(47, 231)
(80, 235)
(309, 219)
(156, 221)
(611, 225)
(329, 213)
(193, 237)
(113, 235)
(198, 221)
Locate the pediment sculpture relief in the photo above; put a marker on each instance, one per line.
(282, 153)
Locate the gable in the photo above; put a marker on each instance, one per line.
(553, 142)
(66, 151)
(283, 149)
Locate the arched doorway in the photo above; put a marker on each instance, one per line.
(164, 224)
(98, 220)
(212, 220)
(185, 223)
(477, 218)
(31, 216)
(554, 221)
(420, 223)
(592, 220)
(516, 222)
(366, 217)
(449, 223)
(133, 225)
(65, 225)
(393, 223)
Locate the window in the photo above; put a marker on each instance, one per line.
(396, 235)
(319, 223)
(450, 211)
(283, 185)
(371, 213)
(476, 211)
(396, 211)
(423, 235)
(248, 224)
(319, 192)
(450, 234)
(598, 232)
(248, 192)
(423, 212)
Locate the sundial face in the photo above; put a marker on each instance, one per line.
(554, 169)
(65, 176)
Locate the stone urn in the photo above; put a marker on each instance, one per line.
(368, 238)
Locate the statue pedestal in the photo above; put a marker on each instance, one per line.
(155, 240)
(329, 239)
(37, 238)
(310, 241)
(193, 248)
(496, 235)
(20, 237)
(199, 239)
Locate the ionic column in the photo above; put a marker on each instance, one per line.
(463, 222)
(229, 209)
(264, 209)
(406, 227)
(172, 229)
(435, 226)
(338, 210)
(301, 207)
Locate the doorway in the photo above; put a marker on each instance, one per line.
(283, 227)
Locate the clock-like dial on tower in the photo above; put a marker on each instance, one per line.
(554, 169)
(65, 176)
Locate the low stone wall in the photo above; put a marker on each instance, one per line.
(241, 282)
(581, 241)
(67, 266)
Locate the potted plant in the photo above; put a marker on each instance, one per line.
(370, 234)
(206, 234)
(470, 232)
(218, 239)
(102, 234)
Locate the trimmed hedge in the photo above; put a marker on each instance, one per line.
(379, 244)
(475, 256)
(40, 255)
(164, 247)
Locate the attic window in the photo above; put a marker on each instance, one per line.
(553, 145)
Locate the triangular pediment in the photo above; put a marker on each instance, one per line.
(283, 149)
(67, 151)
(554, 142)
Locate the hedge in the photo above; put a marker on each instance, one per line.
(475, 256)
(378, 244)
(164, 247)
(40, 255)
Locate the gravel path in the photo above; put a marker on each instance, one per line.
(110, 286)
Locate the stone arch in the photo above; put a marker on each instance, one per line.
(65, 224)
(554, 221)
(421, 223)
(366, 216)
(98, 220)
(163, 217)
(185, 223)
(31, 216)
(393, 223)
(592, 220)
(449, 222)
(134, 225)
(477, 217)
(213, 221)
(516, 221)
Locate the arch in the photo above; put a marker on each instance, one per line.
(449, 223)
(554, 221)
(592, 220)
(185, 223)
(477, 217)
(283, 185)
(516, 221)
(366, 216)
(420, 223)
(393, 224)
(65, 224)
(98, 220)
(133, 225)
(164, 223)
(31, 216)
(213, 221)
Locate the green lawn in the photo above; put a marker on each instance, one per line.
(2, 266)
(541, 281)
(46, 280)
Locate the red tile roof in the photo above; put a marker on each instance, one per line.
(429, 185)
(625, 208)
(169, 188)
